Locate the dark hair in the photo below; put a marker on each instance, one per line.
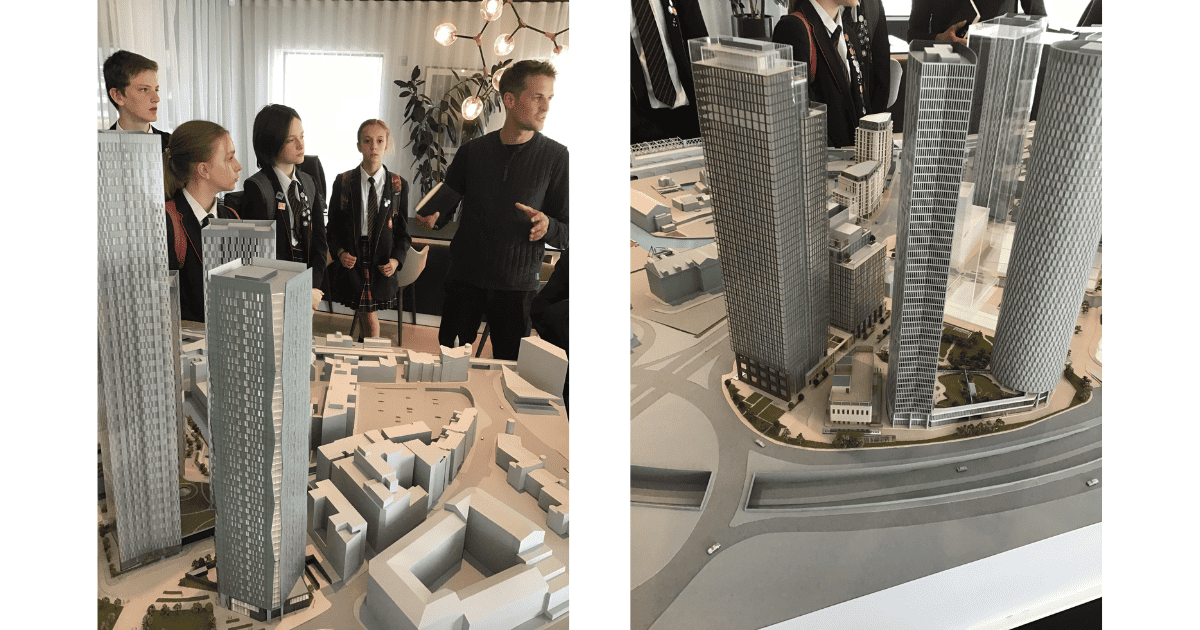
(192, 142)
(120, 68)
(270, 132)
(513, 79)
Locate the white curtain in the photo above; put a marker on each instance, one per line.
(222, 60)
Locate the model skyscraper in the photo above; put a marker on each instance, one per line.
(1008, 49)
(260, 348)
(224, 240)
(764, 147)
(138, 395)
(937, 110)
(1060, 225)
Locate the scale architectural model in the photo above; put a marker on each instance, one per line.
(937, 109)
(327, 456)
(765, 170)
(140, 411)
(759, 516)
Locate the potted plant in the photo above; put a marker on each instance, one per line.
(755, 23)
(434, 127)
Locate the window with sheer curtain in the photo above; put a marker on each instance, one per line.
(223, 61)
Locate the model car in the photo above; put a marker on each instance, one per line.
(713, 548)
(961, 469)
(1092, 482)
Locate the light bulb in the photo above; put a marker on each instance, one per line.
(472, 107)
(491, 10)
(496, 78)
(445, 33)
(559, 50)
(504, 45)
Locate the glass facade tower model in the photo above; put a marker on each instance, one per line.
(1008, 49)
(937, 109)
(1060, 227)
(224, 240)
(138, 395)
(764, 151)
(260, 349)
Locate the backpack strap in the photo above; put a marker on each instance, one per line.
(812, 46)
(180, 244)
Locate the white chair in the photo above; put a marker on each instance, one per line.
(894, 85)
(414, 264)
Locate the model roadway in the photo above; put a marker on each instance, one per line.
(1036, 467)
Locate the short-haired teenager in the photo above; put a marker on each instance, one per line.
(199, 163)
(282, 192)
(514, 184)
(131, 81)
(368, 232)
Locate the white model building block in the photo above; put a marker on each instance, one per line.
(421, 367)
(558, 519)
(526, 472)
(387, 502)
(678, 275)
(225, 240)
(338, 530)
(406, 432)
(338, 449)
(337, 419)
(543, 364)
(464, 422)
(338, 340)
(516, 460)
(456, 447)
(431, 469)
(377, 369)
(456, 362)
(526, 580)
(523, 396)
(649, 214)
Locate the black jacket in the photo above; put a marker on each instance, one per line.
(828, 81)
(646, 122)
(263, 194)
(388, 238)
(491, 249)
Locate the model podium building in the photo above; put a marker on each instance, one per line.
(1008, 49)
(764, 147)
(937, 108)
(260, 349)
(1060, 226)
(138, 393)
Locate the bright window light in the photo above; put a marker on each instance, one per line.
(332, 116)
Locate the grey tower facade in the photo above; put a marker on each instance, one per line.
(1060, 226)
(225, 240)
(138, 408)
(1008, 49)
(937, 110)
(260, 348)
(764, 151)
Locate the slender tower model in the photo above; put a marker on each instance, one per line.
(764, 150)
(138, 399)
(1060, 226)
(232, 239)
(1008, 49)
(937, 108)
(873, 140)
(259, 348)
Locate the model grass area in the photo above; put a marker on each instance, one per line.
(986, 390)
(109, 613)
(196, 514)
(195, 618)
(170, 600)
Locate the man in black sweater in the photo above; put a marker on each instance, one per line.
(514, 184)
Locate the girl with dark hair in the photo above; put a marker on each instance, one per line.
(368, 235)
(280, 191)
(198, 163)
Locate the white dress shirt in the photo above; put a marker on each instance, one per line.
(286, 183)
(197, 210)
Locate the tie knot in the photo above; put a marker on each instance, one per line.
(837, 32)
(371, 181)
(208, 217)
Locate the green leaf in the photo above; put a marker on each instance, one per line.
(416, 72)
